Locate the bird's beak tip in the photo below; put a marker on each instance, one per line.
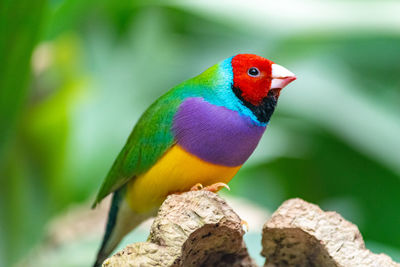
(281, 76)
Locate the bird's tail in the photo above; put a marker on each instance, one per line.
(121, 220)
(104, 250)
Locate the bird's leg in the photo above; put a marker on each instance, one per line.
(216, 187)
(212, 188)
(197, 187)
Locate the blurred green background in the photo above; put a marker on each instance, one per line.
(76, 75)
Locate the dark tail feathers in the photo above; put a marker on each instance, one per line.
(111, 221)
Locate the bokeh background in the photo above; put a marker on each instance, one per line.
(76, 75)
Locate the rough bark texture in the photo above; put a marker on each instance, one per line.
(195, 228)
(200, 229)
(301, 234)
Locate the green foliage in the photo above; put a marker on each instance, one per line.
(100, 64)
(20, 23)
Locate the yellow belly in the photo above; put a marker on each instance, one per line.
(176, 171)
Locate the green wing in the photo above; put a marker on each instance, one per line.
(148, 141)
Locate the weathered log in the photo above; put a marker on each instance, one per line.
(301, 234)
(195, 228)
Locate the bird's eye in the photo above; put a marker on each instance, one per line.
(253, 72)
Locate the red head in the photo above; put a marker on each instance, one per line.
(255, 77)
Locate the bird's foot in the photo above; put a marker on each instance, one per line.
(197, 187)
(212, 188)
(244, 224)
(216, 187)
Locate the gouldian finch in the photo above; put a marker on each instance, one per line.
(198, 134)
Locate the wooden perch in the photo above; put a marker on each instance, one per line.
(301, 234)
(199, 229)
(195, 228)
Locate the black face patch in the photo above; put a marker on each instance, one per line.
(264, 110)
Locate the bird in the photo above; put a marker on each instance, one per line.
(194, 137)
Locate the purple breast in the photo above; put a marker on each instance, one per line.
(215, 134)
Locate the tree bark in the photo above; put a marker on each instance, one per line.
(301, 234)
(195, 228)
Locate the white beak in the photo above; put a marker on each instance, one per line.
(281, 76)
